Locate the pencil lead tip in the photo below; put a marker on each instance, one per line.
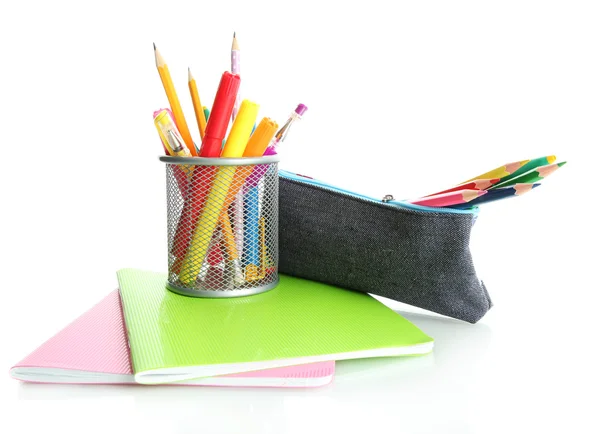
(234, 34)
(154, 46)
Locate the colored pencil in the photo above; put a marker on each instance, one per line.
(536, 162)
(534, 175)
(500, 193)
(499, 172)
(447, 199)
(198, 110)
(478, 184)
(165, 77)
(235, 69)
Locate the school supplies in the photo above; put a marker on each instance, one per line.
(447, 199)
(233, 267)
(409, 253)
(234, 147)
(165, 77)
(216, 128)
(217, 123)
(500, 172)
(251, 259)
(93, 349)
(532, 176)
(280, 136)
(241, 129)
(498, 194)
(261, 138)
(478, 184)
(198, 110)
(175, 338)
(235, 69)
(169, 135)
(532, 164)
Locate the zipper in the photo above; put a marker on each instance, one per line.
(387, 200)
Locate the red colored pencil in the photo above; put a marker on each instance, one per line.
(478, 184)
(447, 199)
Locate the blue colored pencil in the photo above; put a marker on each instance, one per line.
(497, 194)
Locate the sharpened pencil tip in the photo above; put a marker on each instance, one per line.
(154, 46)
(234, 34)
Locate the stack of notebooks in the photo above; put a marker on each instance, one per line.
(290, 336)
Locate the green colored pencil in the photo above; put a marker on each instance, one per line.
(534, 175)
(530, 165)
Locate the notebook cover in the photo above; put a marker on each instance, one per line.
(174, 337)
(94, 349)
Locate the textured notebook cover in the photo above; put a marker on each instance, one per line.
(93, 349)
(174, 337)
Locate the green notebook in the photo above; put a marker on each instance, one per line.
(174, 338)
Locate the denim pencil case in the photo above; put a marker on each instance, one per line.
(413, 254)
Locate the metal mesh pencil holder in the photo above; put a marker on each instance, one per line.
(222, 217)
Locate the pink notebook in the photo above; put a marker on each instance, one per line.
(93, 349)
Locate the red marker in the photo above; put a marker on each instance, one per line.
(220, 114)
(202, 176)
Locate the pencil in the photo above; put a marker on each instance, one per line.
(478, 184)
(447, 199)
(198, 110)
(235, 69)
(532, 176)
(500, 172)
(532, 164)
(165, 77)
(500, 193)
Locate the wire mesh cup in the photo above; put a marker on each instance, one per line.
(222, 217)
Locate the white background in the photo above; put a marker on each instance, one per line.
(404, 101)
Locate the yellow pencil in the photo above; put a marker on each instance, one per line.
(198, 110)
(499, 172)
(241, 130)
(165, 77)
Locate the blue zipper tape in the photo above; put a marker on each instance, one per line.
(304, 179)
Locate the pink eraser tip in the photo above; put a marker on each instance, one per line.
(301, 109)
(159, 110)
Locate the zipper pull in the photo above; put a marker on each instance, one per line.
(387, 198)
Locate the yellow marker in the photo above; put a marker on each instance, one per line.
(165, 77)
(241, 130)
(262, 136)
(207, 223)
(198, 110)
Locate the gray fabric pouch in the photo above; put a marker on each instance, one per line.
(413, 254)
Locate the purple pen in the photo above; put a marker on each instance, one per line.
(284, 130)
